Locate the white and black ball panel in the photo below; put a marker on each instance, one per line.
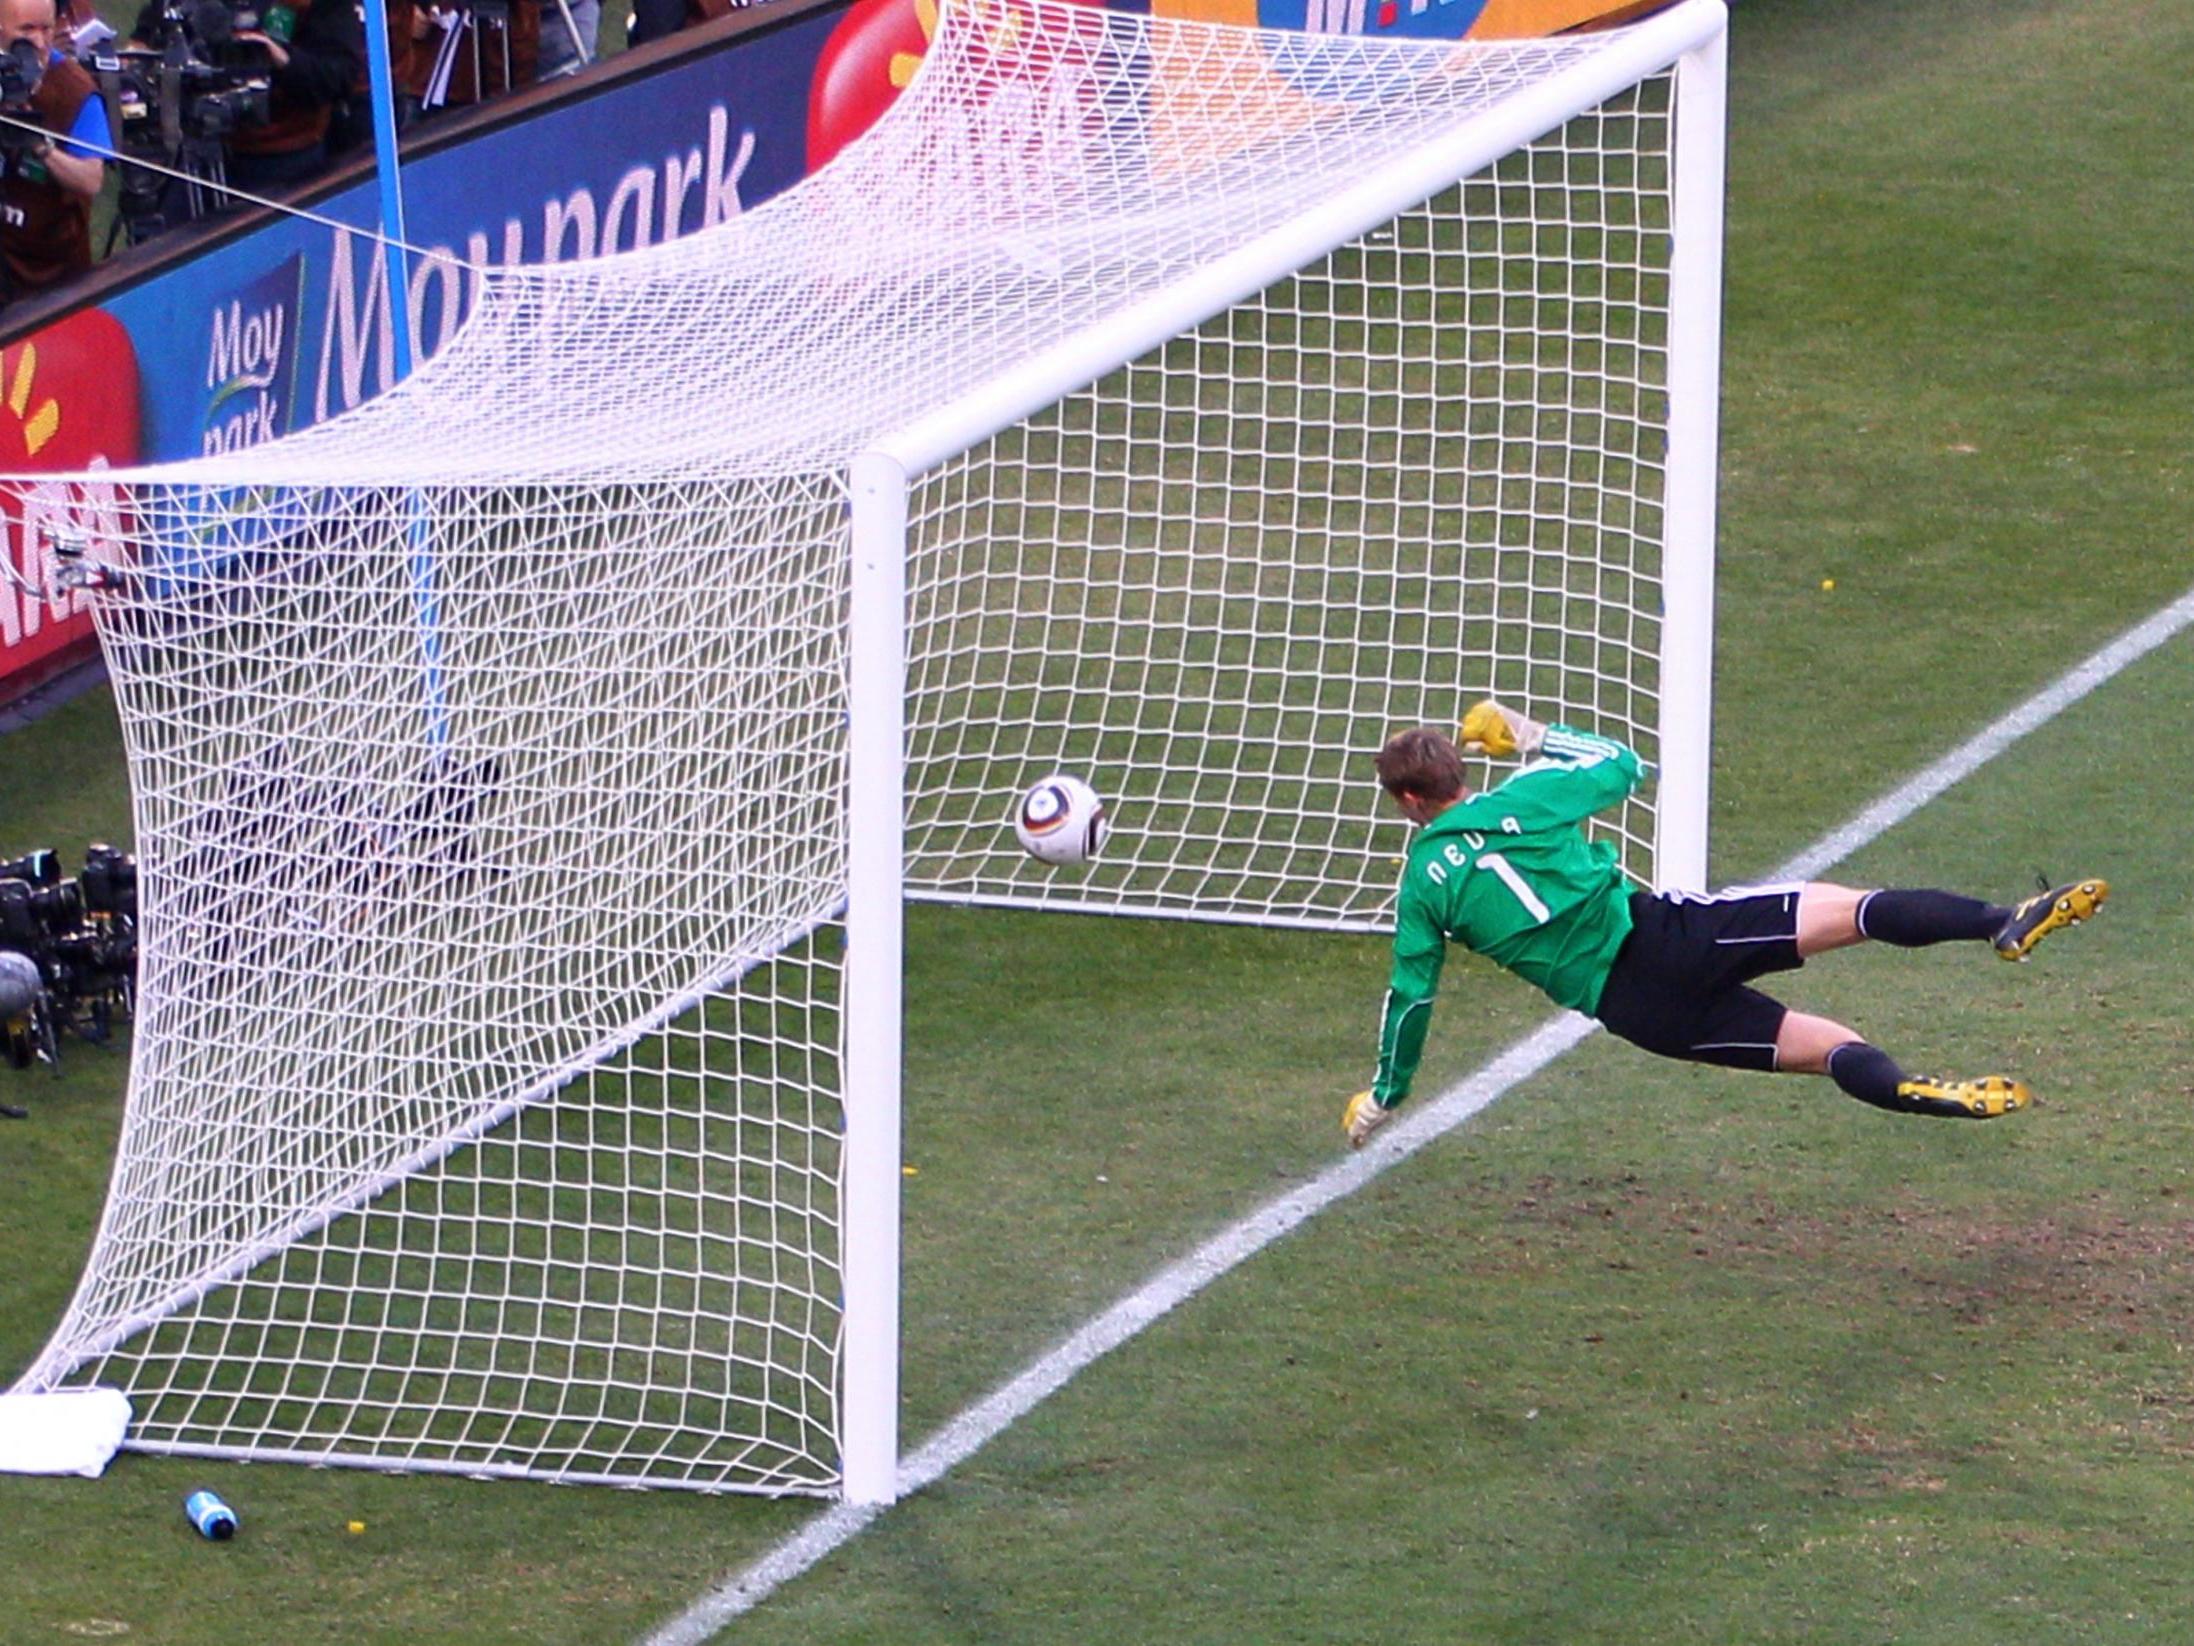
(1045, 808)
(1060, 820)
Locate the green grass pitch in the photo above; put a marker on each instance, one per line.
(1644, 1353)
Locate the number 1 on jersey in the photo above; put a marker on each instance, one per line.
(1501, 866)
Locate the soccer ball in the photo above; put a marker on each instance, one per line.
(1060, 820)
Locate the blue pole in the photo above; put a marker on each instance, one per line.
(388, 169)
(389, 172)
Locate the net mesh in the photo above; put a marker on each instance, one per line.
(1426, 469)
(489, 743)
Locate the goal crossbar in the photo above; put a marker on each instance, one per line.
(1397, 183)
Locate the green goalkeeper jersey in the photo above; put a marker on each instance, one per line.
(1510, 874)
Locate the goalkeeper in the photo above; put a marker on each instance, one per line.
(1510, 874)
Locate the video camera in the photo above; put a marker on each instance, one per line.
(178, 95)
(21, 68)
(68, 950)
(208, 29)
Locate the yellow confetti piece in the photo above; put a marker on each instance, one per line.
(42, 425)
(26, 374)
(355, 1527)
(1828, 584)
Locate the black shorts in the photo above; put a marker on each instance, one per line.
(1678, 983)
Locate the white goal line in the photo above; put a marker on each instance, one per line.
(989, 1417)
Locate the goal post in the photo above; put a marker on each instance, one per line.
(1690, 48)
(518, 1080)
(875, 954)
(1694, 448)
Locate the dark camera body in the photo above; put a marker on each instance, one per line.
(21, 68)
(176, 97)
(207, 31)
(81, 935)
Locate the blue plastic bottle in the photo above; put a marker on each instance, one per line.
(210, 1515)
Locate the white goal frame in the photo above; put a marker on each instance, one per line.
(1230, 433)
(1690, 38)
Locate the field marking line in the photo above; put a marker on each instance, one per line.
(1173, 1285)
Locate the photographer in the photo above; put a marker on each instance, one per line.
(47, 184)
(310, 59)
(352, 127)
(317, 57)
(468, 51)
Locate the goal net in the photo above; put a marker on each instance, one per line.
(530, 767)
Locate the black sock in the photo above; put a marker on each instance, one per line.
(1867, 1073)
(1913, 919)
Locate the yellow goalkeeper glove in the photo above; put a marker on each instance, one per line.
(1362, 1117)
(1492, 729)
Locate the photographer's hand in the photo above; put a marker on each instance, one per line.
(76, 173)
(275, 49)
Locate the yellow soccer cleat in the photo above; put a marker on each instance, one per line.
(1362, 1117)
(1988, 1098)
(2046, 912)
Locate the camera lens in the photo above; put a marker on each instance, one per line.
(38, 868)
